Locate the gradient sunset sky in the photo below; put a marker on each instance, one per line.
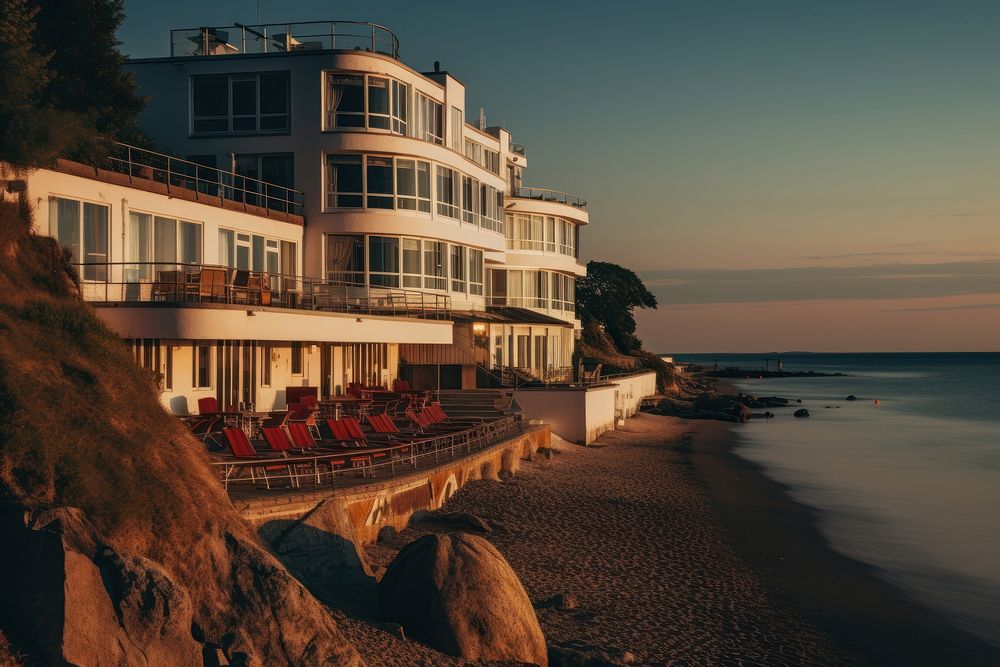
(783, 174)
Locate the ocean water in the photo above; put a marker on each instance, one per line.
(910, 485)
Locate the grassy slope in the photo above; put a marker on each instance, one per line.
(83, 427)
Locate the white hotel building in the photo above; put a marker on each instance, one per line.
(331, 216)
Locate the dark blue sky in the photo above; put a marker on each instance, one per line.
(746, 134)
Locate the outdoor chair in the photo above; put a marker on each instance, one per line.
(259, 467)
(208, 406)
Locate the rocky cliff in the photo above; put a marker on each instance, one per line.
(117, 545)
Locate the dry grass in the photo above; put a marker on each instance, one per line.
(83, 427)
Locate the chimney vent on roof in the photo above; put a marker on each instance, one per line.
(437, 65)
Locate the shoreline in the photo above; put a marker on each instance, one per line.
(864, 616)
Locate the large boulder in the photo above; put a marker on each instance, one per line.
(322, 551)
(458, 594)
(70, 598)
(724, 409)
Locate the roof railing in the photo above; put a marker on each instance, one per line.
(240, 39)
(546, 194)
(205, 182)
(518, 149)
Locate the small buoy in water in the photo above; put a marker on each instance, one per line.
(802, 412)
(877, 402)
(852, 397)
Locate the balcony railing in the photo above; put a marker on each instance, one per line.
(206, 183)
(284, 38)
(518, 149)
(178, 283)
(545, 194)
(539, 302)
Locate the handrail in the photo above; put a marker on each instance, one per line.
(405, 454)
(547, 194)
(284, 38)
(207, 182)
(180, 282)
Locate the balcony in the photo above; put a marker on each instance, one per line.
(544, 194)
(241, 39)
(178, 284)
(175, 177)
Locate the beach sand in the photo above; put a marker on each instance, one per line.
(628, 531)
(678, 551)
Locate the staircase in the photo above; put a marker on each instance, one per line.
(460, 403)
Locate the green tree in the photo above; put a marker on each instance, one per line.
(88, 73)
(63, 91)
(607, 296)
(32, 132)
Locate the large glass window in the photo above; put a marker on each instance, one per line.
(435, 265)
(490, 207)
(274, 169)
(343, 181)
(202, 366)
(160, 240)
(378, 103)
(380, 186)
(411, 263)
(456, 129)
(429, 120)
(383, 258)
(345, 258)
(458, 268)
(244, 103)
(470, 200)
(448, 192)
(345, 101)
(475, 271)
(400, 106)
(82, 228)
(360, 100)
(413, 185)
(226, 256)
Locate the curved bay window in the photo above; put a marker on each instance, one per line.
(366, 101)
(532, 289)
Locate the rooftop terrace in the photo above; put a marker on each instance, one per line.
(239, 39)
(545, 194)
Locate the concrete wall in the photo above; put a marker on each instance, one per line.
(632, 389)
(582, 414)
(392, 502)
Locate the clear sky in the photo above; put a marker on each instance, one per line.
(784, 174)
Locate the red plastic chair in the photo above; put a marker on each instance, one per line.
(208, 406)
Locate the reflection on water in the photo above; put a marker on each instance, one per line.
(911, 485)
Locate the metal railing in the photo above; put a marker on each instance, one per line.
(180, 283)
(518, 149)
(284, 38)
(546, 194)
(541, 303)
(422, 450)
(206, 183)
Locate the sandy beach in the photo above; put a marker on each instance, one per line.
(627, 530)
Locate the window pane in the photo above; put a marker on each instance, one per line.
(258, 253)
(211, 96)
(226, 257)
(190, 243)
(214, 125)
(411, 256)
(406, 177)
(67, 227)
(345, 101)
(95, 240)
(378, 95)
(165, 240)
(278, 169)
(274, 93)
(344, 176)
(379, 182)
(245, 97)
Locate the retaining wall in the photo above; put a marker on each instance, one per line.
(391, 502)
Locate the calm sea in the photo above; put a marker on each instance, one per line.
(910, 485)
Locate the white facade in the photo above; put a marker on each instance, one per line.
(407, 208)
(235, 351)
